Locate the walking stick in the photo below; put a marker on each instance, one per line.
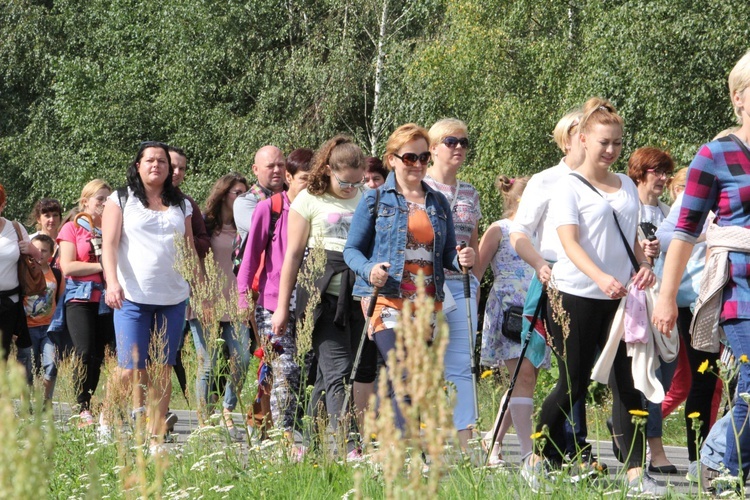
(360, 348)
(525, 342)
(467, 296)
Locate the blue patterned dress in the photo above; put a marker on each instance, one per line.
(512, 278)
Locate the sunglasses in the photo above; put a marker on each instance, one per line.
(452, 142)
(411, 159)
(348, 185)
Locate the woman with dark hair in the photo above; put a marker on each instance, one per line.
(139, 228)
(219, 219)
(717, 182)
(87, 319)
(650, 168)
(375, 172)
(264, 257)
(46, 217)
(322, 214)
(12, 317)
(589, 280)
(401, 230)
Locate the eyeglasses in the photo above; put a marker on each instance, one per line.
(348, 185)
(236, 192)
(411, 159)
(659, 172)
(452, 142)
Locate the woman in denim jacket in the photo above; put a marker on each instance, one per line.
(412, 231)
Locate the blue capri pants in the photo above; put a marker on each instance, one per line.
(137, 324)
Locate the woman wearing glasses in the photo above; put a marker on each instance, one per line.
(219, 219)
(322, 215)
(90, 325)
(650, 168)
(449, 146)
(402, 228)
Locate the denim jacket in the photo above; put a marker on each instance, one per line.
(78, 290)
(383, 238)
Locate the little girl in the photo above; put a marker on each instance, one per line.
(512, 278)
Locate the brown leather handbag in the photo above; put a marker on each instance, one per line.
(30, 274)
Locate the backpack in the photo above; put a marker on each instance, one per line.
(238, 247)
(123, 194)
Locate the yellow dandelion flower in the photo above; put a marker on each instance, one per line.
(373, 436)
(422, 425)
(537, 435)
(743, 358)
(488, 373)
(639, 413)
(703, 367)
(694, 415)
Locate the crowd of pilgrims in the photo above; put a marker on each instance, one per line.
(603, 246)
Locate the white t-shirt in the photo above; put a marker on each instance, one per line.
(575, 203)
(9, 255)
(147, 253)
(531, 217)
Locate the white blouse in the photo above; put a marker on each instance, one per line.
(147, 253)
(9, 255)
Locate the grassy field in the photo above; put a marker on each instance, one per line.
(76, 465)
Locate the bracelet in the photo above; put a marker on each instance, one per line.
(647, 263)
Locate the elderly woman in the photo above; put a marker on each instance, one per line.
(716, 182)
(449, 145)
(140, 226)
(12, 317)
(410, 231)
(90, 325)
(650, 169)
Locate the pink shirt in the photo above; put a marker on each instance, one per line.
(81, 238)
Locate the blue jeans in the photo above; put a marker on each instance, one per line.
(664, 373)
(457, 355)
(32, 357)
(237, 344)
(136, 324)
(738, 335)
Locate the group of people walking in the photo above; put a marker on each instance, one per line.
(574, 258)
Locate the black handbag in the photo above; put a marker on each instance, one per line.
(513, 323)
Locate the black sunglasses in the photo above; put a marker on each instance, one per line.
(411, 159)
(452, 142)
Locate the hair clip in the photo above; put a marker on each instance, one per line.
(512, 181)
(603, 108)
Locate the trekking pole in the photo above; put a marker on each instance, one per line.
(525, 341)
(467, 297)
(360, 348)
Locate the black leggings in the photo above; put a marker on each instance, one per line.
(702, 387)
(90, 332)
(9, 316)
(590, 321)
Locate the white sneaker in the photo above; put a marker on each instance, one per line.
(645, 486)
(534, 475)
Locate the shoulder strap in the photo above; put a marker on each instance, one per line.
(58, 276)
(277, 202)
(741, 145)
(17, 227)
(122, 195)
(631, 255)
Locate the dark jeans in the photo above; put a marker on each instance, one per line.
(702, 387)
(590, 321)
(90, 332)
(334, 349)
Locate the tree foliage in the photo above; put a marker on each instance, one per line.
(82, 82)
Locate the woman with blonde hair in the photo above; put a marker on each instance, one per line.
(87, 318)
(717, 182)
(590, 278)
(400, 229)
(511, 284)
(449, 145)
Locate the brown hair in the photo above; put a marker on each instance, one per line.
(644, 159)
(219, 191)
(44, 206)
(338, 153)
(511, 189)
(402, 135)
(3, 197)
(598, 111)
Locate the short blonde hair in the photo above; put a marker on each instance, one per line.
(677, 180)
(444, 128)
(739, 80)
(566, 128)
(90, 190)
(402, 135)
